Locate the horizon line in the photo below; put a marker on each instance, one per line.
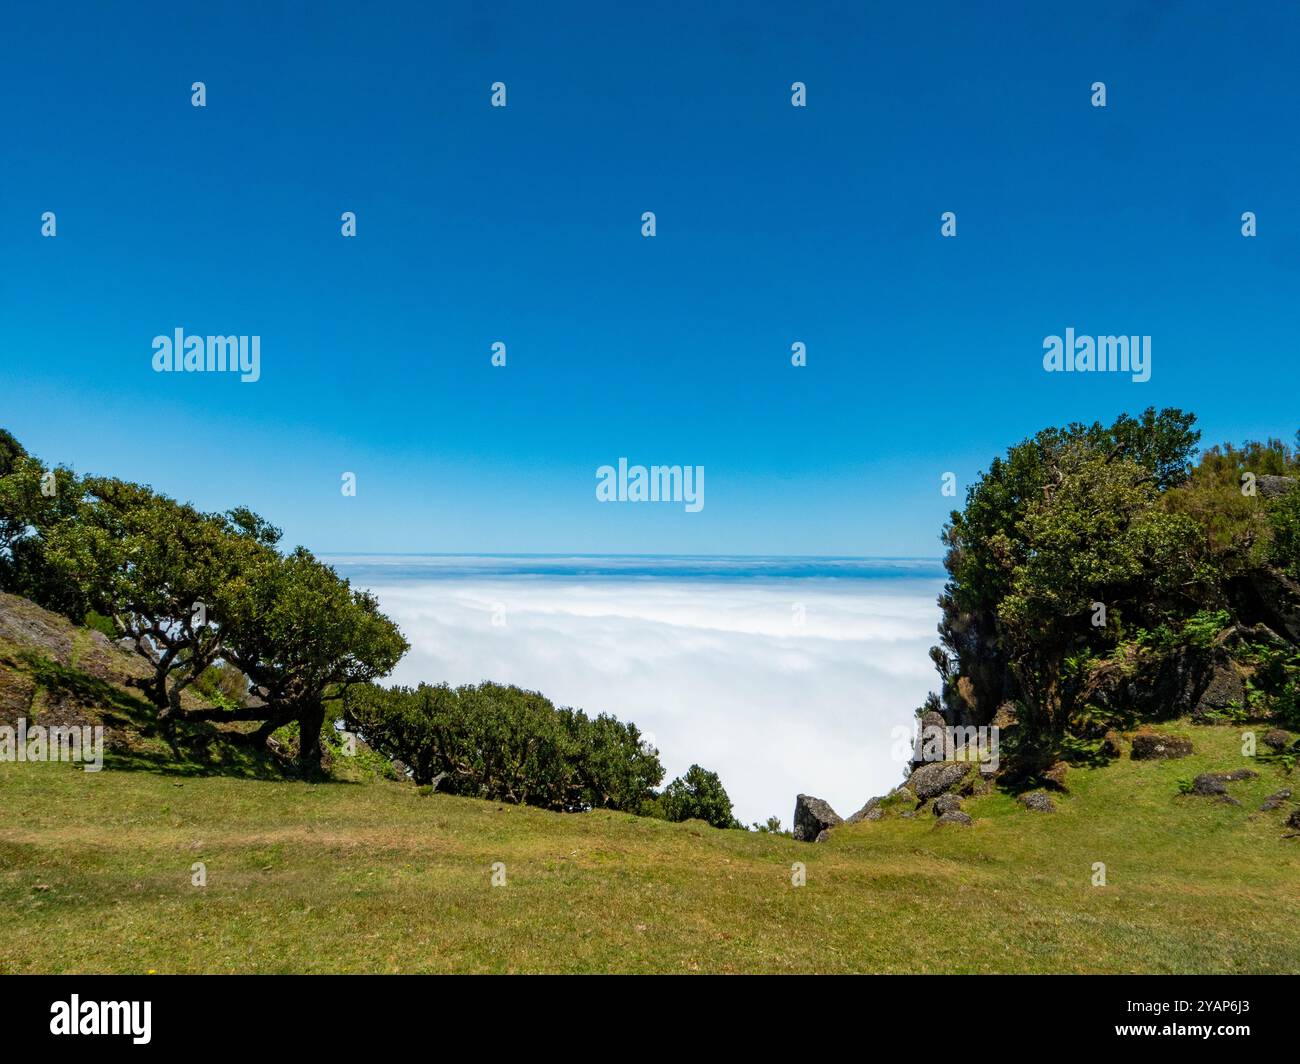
(584, 554)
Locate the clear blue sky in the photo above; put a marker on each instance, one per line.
(522, 224)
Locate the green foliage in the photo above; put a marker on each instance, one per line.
(506, 744)
(1284, 521)
(99, 623)
(1235, 525)
(192, 590)
(699, 795)
(1093, 545)
(1274, 686)
(10, 452)
(301, 634)
(222, 685)
(1198, 630)
(160, 571)
(984, 540)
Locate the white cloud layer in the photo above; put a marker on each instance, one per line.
(719, 672)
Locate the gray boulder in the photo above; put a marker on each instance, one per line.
(812, 816)
(1039, 801)
(947, 803)
(956, 816)
(1206, 785)
(1271, 486)
(932, 780)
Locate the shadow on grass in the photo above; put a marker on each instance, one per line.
(140, 743)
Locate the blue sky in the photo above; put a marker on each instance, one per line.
(522, 225)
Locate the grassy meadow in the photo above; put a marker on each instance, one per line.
(373, 876)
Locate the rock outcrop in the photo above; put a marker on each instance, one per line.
(1271, 486)
(812, 816)
(870, 811)
(932, 780)
(947, 803)
(1268, 598)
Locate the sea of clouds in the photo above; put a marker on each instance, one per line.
(778, 677)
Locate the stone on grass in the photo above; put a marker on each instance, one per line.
(1156, 746)
(947, 803)
(1039, 801)
(1212, 783)
(1275, 801)
(812, 816)
(1276, 739)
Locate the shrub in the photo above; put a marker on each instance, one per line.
(699, 795)
(506, 744)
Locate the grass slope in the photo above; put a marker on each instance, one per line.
(371, 876)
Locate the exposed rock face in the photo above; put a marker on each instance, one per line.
(933, 720)
(947, 803)
(900, 798)
(1271, 486)
(902, 794)
(1155, 746)
(956, 817)
(932, 732)
(1038, 801)
(870, 811)
(934, 779)
(812, 816)
(1190, 680)
(1268, 598)
(1225, 687)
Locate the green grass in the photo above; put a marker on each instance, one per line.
(372, 877)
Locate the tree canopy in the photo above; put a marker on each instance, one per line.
(1083, 541)
(190, 590)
